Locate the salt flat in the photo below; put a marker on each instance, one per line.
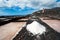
(9, 30)
(55, 24)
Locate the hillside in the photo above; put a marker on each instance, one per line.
(53, 13)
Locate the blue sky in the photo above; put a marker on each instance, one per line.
(24, 7)
(58, 0)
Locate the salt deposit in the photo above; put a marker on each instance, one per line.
(36, 28)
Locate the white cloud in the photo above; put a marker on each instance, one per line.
(36, 4)
(42, 3)
(58, 4)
